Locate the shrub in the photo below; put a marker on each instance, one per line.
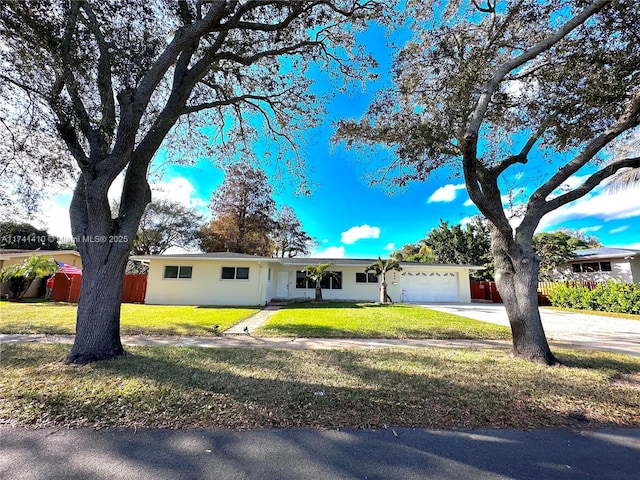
(610, 296)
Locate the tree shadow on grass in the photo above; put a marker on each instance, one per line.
(357, 393)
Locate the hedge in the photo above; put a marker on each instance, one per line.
(608, 296)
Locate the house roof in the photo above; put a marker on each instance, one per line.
(6, 254)
(604, 252)
(289, 261)
(203, 256)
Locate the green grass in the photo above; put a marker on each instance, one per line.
(626, 316)
(369, 320)
(60, 318)
(256, 388)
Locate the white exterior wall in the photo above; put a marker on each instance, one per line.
(269, 280)
(620, 270)
(396, 284)
(350, 289)
(206, 287)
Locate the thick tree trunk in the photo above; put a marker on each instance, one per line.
(516, 271)
(98, 320)
(318, 294)
(104, 244)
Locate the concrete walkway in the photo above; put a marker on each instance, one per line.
(248, 325)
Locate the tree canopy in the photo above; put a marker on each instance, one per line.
(289, 238)
(164, 225)
(24, 236)
(242, 209)
(555, 248)
(113, 81)
(490, 90)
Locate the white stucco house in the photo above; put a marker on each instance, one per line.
(602, 264)
(235, 279)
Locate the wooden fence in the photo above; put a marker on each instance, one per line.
(487, 291)
(67, 288)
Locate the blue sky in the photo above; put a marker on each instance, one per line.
(349, 218)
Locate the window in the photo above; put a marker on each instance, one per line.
(235, 273)
(591, 267)
(605, 266)
(302, 281)
(174, 271)
(329, 282)
(368, 277)
(336, 281)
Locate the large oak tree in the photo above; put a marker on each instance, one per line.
(112, 80)
(493, 89)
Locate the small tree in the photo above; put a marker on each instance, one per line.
(34, 267)
(288, 236)
(380, 268)
(553, 249)
(164, 225)
(317, 273)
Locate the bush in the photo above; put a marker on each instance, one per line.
(610, 296)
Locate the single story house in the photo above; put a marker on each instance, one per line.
(602, 264)
(10, 257)
(226, 278)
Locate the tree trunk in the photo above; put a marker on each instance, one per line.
(516, 271)
(98, 319)
(104, 244)
(318, 293)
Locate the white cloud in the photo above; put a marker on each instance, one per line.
(446, 194)
(595, 228)
(390, 247)
(599, 205)
(330, 252)
(358, 233)
(176, 189)
(55, 215)
(469, 203)
(619, 229)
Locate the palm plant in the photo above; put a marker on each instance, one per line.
(33, 267)
(625, 178)
(380, 268)
(316, 273)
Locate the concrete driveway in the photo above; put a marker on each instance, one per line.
(568, 329)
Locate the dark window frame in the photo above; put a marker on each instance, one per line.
(329, 282)
(234, 273)
(368, 277)
(180, 272)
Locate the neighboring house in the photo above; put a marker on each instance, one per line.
(235, 279)
(11, 257)
(601, 264)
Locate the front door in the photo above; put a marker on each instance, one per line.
(282, 285)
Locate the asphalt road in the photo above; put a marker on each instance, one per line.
(388, 454)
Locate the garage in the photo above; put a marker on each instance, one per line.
(429, 286)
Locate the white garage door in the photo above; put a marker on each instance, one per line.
(430, 286)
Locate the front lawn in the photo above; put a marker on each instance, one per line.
(259, 388)
(60, 318)
(370, 320)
